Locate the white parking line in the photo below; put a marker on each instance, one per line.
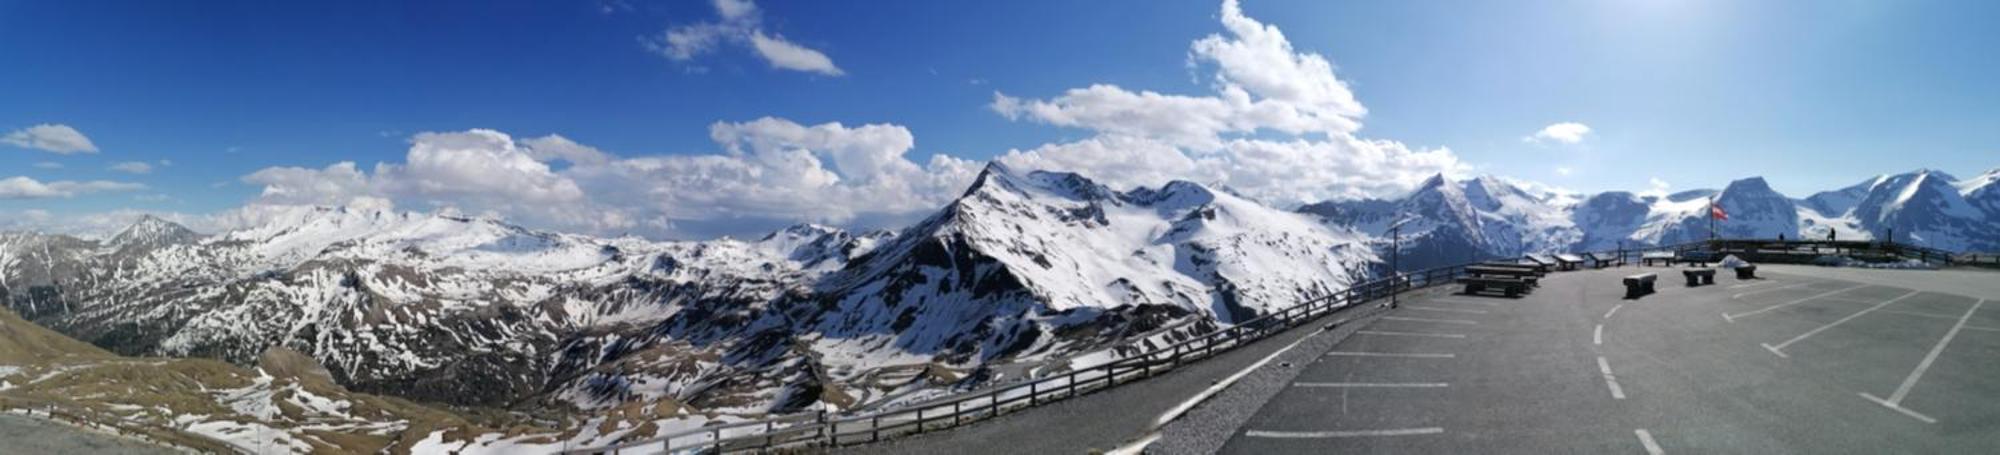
(1898, 408)
(1597, 337)
(1895, 400)
(1779, 349)
(1467, 302)
(1409, 334)
(1646, 439)
(1216, 388)
(1385, 385)
(1440, 321)
(1419, 355)
(1609, 379)
(1444, 310)
(1760, 291)
(1614, 310)
(1341, 434)
(1923, 314)
(1987, 329)
(1732, 317)
(1760, 283)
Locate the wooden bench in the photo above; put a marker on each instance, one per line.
(1569, 261)
(1526, 275)
(1512, 287)
(1664, 257)
(1746, 272)
(1697, 277)
(1641, 284)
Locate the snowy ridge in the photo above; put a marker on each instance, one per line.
(1458, 221)
(1017, 275)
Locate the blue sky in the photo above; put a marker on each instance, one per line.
(1813, 95)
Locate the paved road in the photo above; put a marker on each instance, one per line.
(26, 435)
(1796, 363)
(1112, 418)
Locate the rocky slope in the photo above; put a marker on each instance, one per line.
(1020, 274)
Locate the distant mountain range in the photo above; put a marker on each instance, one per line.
(1023, 273)
(1018, 274)
(1455, 221)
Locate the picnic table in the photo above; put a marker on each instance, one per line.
(1526, 275)
(1547, 263)
(1665, 257)
(1602, 260)
(1569, 261)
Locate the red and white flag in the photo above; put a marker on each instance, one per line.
(1715, 211)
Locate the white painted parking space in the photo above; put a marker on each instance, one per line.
(1409, 334)
(1413, 355)
(1442, 310)
(1760, 291)
(1374, 385)
(1779, 348)
(1734, 317)
(1437, 321)
(1342, 434)
(1895, 400)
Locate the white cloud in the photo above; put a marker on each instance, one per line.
(741, 24)
(1565, 132)
(776, 171)
(1563, 171)
(133, 167)
(29, 188)
(50, 137)
(1261, 85)
(555, 147)
(787, 55)
(48, 165)
(770, 172)
(1656, 187)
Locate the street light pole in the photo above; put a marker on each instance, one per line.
(1396, 253)
(1395, 270)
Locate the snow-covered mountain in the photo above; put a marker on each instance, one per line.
(1461, 220)
(1023, 269)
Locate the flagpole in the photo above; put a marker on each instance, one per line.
(1711, 217)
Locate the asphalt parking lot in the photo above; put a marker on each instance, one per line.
(1797, 362)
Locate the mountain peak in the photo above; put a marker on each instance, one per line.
(148, 232)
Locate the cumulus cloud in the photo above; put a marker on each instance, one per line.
(475, 171)
(740, 24)
(1279, 125)
(769, 172)
(1565, 133)
(52, 137)
(29, 188)
(1656, 187)
(133, 167)
(555, 147)
(1563, 171)
(775, 171)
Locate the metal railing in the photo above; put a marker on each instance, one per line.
(822, 429)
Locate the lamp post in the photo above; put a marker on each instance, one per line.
(1396, 253)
